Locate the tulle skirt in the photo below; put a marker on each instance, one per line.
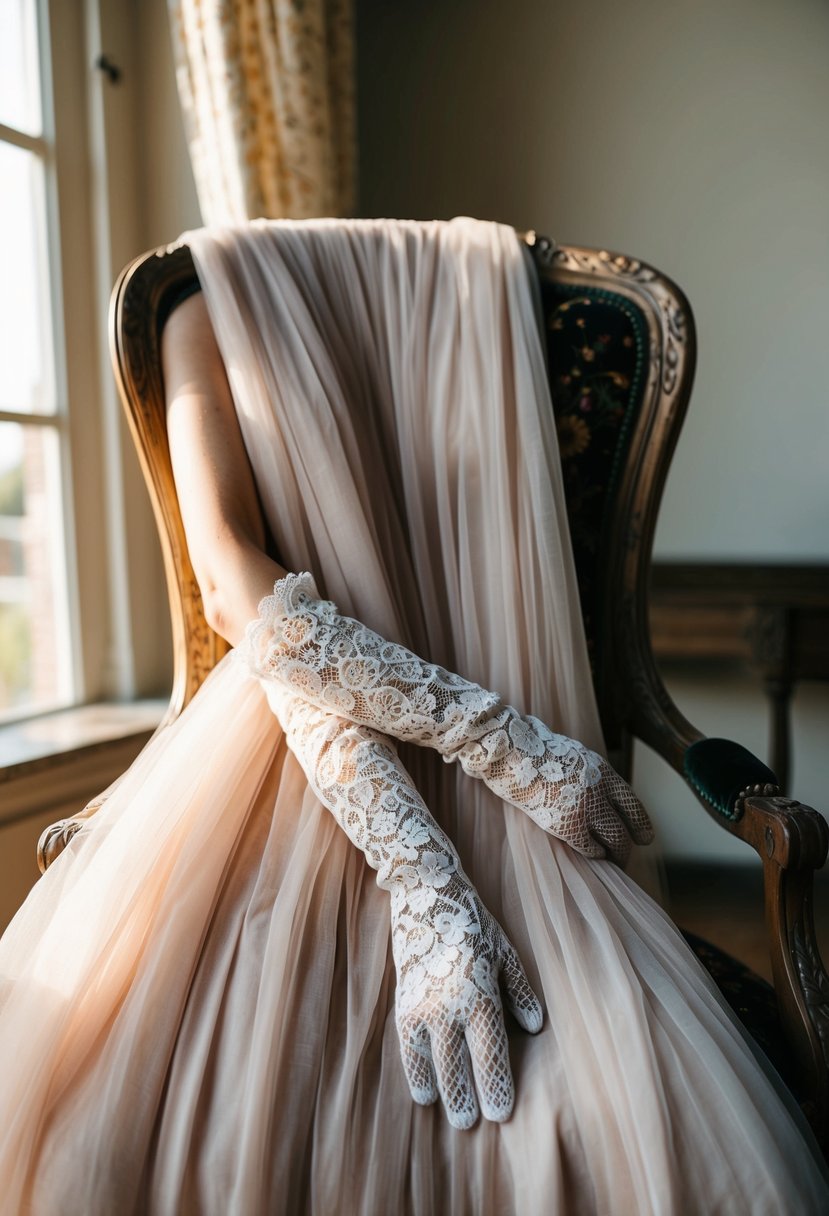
(197, 1017)
(196, 1001)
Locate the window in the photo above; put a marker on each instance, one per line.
(37, 667)
(83, 612)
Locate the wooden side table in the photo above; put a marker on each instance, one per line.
(772, 618)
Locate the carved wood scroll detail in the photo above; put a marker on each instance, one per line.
(54, 839)
(814, 982)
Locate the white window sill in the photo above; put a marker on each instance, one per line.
(67, 757)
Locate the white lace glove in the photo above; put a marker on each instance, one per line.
(448, 950)
(338, 664)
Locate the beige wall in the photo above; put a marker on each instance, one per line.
(140, 194)
(168, 190)
(693, 135)
(150, 200)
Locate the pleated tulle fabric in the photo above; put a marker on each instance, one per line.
(196, 999)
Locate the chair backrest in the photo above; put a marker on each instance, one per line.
(621, 349)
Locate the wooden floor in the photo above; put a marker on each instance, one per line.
(724, 904)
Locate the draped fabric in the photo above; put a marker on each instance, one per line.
(267, 95)
(196, 1000)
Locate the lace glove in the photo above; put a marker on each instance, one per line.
(338, 664)
(448, 950)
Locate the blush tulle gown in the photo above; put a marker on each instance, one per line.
(196, 1000)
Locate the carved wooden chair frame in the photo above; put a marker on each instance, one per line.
(791, 839)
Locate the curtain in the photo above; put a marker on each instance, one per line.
(267, 94)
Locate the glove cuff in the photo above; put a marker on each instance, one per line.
(295, 598)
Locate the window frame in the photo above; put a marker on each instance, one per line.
(110, 142)
(95, 154)
(43, 146)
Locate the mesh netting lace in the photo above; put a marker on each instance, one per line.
(448, 950)
(338, 664)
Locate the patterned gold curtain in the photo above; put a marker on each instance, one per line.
(267, 92)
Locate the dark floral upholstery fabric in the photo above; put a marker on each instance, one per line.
(596, 349)
(752, 999)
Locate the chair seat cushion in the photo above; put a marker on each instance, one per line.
(752, 999)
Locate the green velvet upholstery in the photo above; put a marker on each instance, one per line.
(597, 347)
(720, 770)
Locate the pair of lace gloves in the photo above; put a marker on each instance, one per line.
(333, 684)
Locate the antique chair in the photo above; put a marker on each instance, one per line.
(621, 347)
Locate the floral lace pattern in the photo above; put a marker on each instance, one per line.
(567, 789)
(448, 950)
(338, 664)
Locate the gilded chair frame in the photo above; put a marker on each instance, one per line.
(791, 839)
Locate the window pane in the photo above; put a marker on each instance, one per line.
(35, 658)
(26, 365)
(19, 74)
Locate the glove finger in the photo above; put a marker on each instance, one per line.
(451, 1059)
(573, 831)
(486, 1038)
(524, 1005)
(616, 840)
(632, 812)
(587, 844)
(569, 826)
(416, 1053)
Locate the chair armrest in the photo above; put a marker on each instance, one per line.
(792, 842)
(54, 838)
(734, 787)
(723, 773)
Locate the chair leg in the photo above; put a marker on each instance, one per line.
(800, 979)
